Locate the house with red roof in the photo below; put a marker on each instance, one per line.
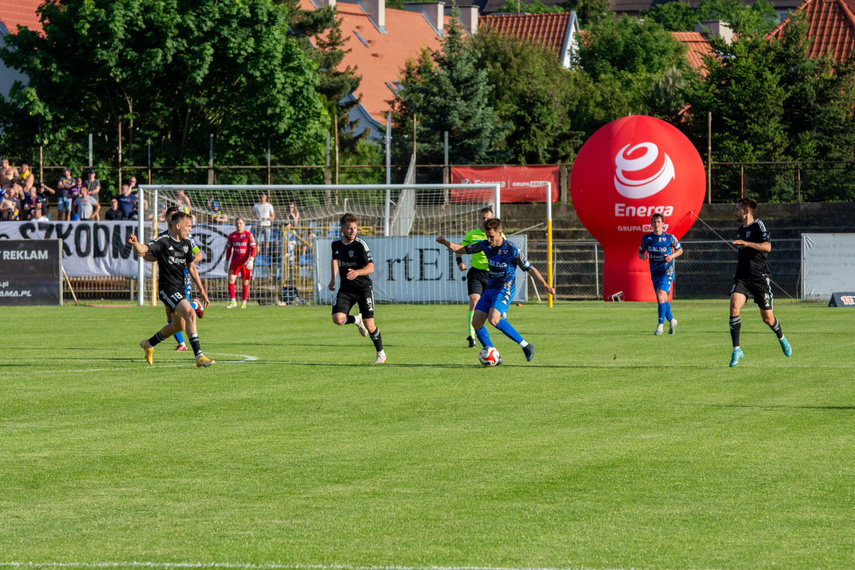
(381, 41)
(558, 32)
(831, 26)
(14, 13)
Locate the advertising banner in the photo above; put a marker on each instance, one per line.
(828, 265)
(409, 270)
(30, 272)
(518, 183)
(92, 249)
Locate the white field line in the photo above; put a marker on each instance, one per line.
(237, 566)
(243, 358)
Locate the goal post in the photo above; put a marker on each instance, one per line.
(306, 221)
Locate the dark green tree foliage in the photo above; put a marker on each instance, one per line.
(667, 96)
(757, 18)
(534, 7)
(533, 94)
(452, 96)
(625, 56)
(589, 11)
(176, 71)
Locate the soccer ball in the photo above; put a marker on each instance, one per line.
(489, 356)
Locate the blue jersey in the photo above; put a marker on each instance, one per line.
(502, 261)
(657, 247)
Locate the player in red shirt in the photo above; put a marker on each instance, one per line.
(240, 251)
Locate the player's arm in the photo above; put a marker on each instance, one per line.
(642, 252)
(334, 273)
(762, 246)
(674, 255)
(354, 273)
(455, 247)
(194, 275)
(533, 270)
(250, 263)
(140, 248)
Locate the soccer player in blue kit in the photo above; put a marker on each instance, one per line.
(503, 258)
(661, 249)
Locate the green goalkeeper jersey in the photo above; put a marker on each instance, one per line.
(479, 260)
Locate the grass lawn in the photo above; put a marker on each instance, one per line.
(613, 448)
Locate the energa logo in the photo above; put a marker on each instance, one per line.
(642, 174)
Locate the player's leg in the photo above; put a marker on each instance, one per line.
(366, 308)
(763, 298)
(479, 317)
(497, 318)
(661, 299)
(245, 277)
(232, 278)
(473, 301)
(188, 315)
(171, 299)
(737, 300)
(341, 308)
(195, 304)
(179, 338)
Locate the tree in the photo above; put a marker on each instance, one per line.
(533, 7)
(450, 94)
(534, 95)
(758, 18)
(173, 72)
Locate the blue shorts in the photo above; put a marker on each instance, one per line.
(663, 282)
(63, 204)
(499, 299)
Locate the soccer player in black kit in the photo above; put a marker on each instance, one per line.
(352, 258)
(752, 276)
(174, 251)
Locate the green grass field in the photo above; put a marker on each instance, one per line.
(613, 448)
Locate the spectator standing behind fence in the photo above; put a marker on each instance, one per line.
(74, 191)
(126, 200)
(92, 184)
(43, 194)
(115, 213)
(263, 213)
(8, 173)
(38, 215)
(216, 210)
(86, 207)
(28, 205)
(63, 198)
(292, 216)
(183, 201)
(25, 178)
(10, 207)
(135, 187)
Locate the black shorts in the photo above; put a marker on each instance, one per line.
(757, 287)
(476, 281)
(345, 300)
(171, 297)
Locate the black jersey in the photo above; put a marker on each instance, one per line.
(751, 262)
(172, 258)
(353, 255)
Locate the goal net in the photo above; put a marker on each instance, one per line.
(399, 223)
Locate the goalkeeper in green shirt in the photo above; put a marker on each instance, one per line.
(479, 273)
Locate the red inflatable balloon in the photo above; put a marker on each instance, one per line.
(627, 171)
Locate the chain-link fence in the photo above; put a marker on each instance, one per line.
(784, 182)
(704, 271)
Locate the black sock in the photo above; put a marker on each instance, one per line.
(156, 339)
(194, 342)
(350, 320)
(776, 328)
(735, 327)
(375, 337)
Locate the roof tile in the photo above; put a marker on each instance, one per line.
(831, 25)
(546, 29)
(14, 13)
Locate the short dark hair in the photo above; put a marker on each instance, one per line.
(178, 216)
(493, 224)
(657, 215)
(171, 211)
(486, 209)
(348, 218)
(750, 202)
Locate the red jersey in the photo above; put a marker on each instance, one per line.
(241, 246)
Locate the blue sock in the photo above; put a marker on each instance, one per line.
(661, 309)
(668, 314)
(178, 336)
(509, 331)
(483, 336)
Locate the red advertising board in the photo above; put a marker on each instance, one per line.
(518, 183)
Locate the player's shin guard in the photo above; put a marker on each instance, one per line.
(194, 342)
(156, 339)
(471, 330)
(509, 331)
(483, 336)
(668, 314)
(735, 327)
(661, 309)
(776, 328)
(245, 292)
(231, 290)
(375, 338)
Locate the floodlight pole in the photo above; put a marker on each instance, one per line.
(549, 268)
